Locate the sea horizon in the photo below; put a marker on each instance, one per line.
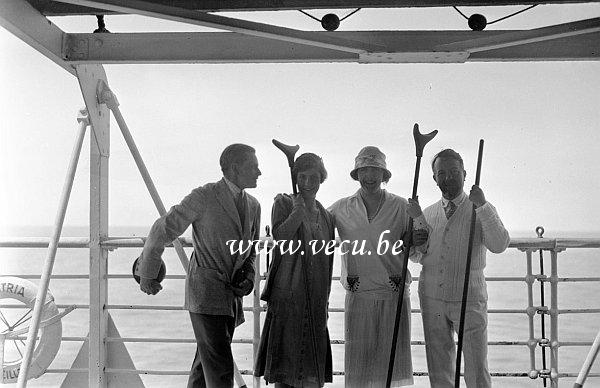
(141, 230)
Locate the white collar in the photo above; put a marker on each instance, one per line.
(233, 188)
(457, 201)
(359, 197)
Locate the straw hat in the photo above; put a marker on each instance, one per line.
(370, 156)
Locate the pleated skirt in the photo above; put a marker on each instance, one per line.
(369, 327)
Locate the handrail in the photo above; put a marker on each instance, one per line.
(249, 341)
(138, 242)
(334, 278)
(264, 308)
(163, 372)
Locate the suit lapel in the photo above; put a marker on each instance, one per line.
(249, 213)
(245, 211)
(225, 199)
(250, 207)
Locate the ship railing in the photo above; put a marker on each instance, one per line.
(527, 245)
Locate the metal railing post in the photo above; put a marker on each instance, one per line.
(256, 310)
(51, 256)
(554, 344)
(532, 343)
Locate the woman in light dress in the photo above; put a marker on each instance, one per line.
(369, 219)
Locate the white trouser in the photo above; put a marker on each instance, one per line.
(440, 321)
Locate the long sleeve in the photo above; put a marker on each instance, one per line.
(494, 235)
(166, 229)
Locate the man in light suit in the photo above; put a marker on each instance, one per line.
(216, 279)
(442, 277)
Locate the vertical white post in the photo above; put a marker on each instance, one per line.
(40, 299)
(532, 343)
(256, 310)
(89, 76)
(554, 344)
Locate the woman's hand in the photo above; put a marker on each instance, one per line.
(414, 209)
(298, 201)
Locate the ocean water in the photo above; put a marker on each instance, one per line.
(175, 324)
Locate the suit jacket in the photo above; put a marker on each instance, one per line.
(444, 256)
(215, 221)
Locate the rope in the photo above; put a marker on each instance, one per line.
(341, 19)
(350, 14)
(310, 16)
(513, 14)
(497, 20)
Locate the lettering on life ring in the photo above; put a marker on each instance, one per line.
(50, 334)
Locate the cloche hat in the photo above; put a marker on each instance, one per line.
(370, 156)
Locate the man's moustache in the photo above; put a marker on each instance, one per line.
(449, 186)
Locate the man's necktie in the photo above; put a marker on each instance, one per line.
(239, 203)
(450, 209)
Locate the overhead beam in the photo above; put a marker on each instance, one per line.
(262, 30)
(518, 38)
(50, 8)
(26, 23)
(581, 48)
(226, 47)
(198, 47)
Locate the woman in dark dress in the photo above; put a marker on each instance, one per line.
(285, 355)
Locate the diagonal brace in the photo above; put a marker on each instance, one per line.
(51, 254)
(106, 96)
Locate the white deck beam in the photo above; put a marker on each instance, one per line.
(183, 15)
(525, 37)
(25, 22)
(225, 47)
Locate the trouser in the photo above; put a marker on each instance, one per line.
(440, 321)
(213, 363)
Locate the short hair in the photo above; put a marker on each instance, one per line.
(234, 154)
(448, 153)
(306, 162)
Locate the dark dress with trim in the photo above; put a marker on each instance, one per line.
(285, 352)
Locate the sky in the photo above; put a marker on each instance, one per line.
(540, 122)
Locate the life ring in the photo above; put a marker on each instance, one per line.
(50, 332)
